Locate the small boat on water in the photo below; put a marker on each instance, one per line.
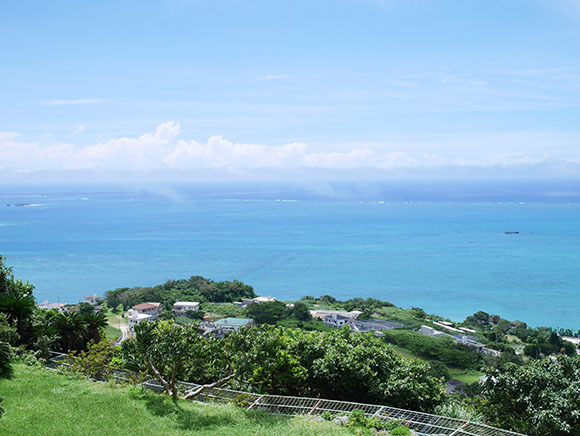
(512, 233)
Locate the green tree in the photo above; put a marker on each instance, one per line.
(5, 359)
(267, 313)
(18, 305)
(539, 399)
(481, 318)
(71, 327)
(86, 307)
(170, 351)
(43, 331)
(8, 332)
(95, 324)
(300, 312)
(340, 364)
(96, 362)
(195, 314)
(16, 300)
(6, 275)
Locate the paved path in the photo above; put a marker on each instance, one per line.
(124, 333)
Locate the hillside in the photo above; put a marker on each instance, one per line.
(43, 403)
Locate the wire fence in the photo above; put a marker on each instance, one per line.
(424, 424)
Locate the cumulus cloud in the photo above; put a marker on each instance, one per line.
(163, 149)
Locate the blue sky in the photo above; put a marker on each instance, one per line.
(379, 88)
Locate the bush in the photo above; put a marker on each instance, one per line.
(267, 313)
(539, 399)
(5, 359)
(96, 362)
(439, 370)
(340, 364)
(441, 349)
(457, 410)
(400, 431)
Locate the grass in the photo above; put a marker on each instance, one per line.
(223, 309)
(39, 402)
(408, 353)
(398, 314)
(112, 331)
(465, 375)
(306, 325)
(185, 320)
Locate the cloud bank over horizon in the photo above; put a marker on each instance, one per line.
(164, 150)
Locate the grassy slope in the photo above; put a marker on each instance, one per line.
(464, 375)
(112, 331)
(39, 402)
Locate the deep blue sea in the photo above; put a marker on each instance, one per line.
(450, 256)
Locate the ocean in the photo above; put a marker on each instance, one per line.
(444, 250)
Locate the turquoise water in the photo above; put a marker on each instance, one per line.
(451, 258)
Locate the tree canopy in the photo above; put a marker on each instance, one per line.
(195, 288)
(539, 399)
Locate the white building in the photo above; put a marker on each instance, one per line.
(430, 331)
(93, 299)
(182, 307)
(48, 306)
(322, 313)
(142, 312)
(259, 300)
(335, 320)
(135, 318)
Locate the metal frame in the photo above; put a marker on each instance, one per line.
(424, 424)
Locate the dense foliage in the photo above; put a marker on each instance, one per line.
(275, 311)
(16, 301)
(195, 289)
(340, 364)
(539, 342)
(540, 399)
(524, 391)
(443, 349)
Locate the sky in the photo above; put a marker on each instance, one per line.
(232, 89)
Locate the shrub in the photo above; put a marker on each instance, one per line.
(5, 359)
(400, 431)
(96, 362)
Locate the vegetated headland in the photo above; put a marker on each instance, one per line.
(213, 334)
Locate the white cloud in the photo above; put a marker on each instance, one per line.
(6, 136)
(59, 102)
(164, 150)
(79, 130)
(272, 77)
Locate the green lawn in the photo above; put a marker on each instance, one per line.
(39, 402)
(112, 331)
(306, 325)
(408, 353)
(223, 309)
(465, 375)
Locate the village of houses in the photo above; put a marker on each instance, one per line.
(150, 311)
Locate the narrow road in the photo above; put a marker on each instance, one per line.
(124, 333)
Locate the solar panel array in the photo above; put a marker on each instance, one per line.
(424, 424)
(421, 423)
